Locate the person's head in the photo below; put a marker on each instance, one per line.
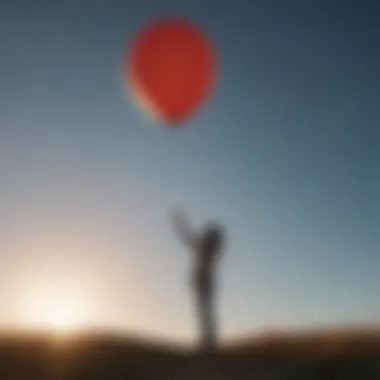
(213, 237)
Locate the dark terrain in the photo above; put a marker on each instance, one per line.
(322, 355)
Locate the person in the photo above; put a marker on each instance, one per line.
(206, 248)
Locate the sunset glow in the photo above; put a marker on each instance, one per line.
(53, 312)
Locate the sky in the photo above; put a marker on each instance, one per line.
(284, 154)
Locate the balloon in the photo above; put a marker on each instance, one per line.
(170, 69)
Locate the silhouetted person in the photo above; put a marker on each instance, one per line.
(206, 248)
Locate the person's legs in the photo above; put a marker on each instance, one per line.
(207, 320)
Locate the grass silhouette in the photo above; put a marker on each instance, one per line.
(352, 355)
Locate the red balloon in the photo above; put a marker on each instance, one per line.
(171, 69)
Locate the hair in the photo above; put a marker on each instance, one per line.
(213, 237)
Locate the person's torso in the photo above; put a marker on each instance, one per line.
(204, 269)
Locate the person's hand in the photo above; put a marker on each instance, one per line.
(182, 226)
(179, 220)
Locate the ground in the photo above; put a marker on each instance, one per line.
(35, 357)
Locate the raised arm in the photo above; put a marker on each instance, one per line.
(182, 228)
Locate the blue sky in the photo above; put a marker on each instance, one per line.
(285, 155)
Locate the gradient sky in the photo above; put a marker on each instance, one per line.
(285, 155)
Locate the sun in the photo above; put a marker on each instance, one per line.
(60, 317)
(55, 313)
